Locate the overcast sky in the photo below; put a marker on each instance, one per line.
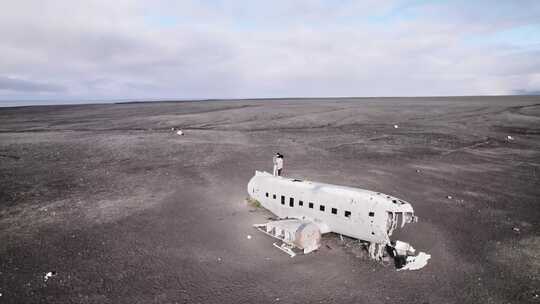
(78, 50)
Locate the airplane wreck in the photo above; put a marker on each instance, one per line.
(307, 209)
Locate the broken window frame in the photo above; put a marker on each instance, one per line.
(347, 214)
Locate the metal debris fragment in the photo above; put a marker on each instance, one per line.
(288, 249)
(416, 262)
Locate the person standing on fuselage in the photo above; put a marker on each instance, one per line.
(274, 161)
(279, 164)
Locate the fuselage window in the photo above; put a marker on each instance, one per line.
(291, 202)
(274, 196)
(300, 203)
(283, 200)
(334, 211)
(266, 194)
(321, 207)
(372, 214)
(347, 214)
(311, 205)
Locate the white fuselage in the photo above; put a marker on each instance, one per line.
(358, 213)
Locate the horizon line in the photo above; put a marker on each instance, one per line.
(107, 101)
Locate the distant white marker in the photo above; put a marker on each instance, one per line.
(49, 275)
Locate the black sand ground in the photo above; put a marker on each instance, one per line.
(125, 211)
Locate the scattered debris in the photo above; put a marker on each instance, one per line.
(416, 262)
(180, 132)
(396, 126)
(449, 197)
(219, 259)
(509, 137)
(516, 229)
(249, 237)
(49, 275)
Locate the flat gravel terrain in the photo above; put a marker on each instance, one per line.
(123, 210)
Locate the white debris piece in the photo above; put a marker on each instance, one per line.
(249, 237)
(180, 132)
(416, 262)
(49, 275)
(403, 248)
(396, 126)
(516, 229)
(449, 197)
(509, 137)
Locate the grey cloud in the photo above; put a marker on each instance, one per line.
(20, 85)
(526, 92)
